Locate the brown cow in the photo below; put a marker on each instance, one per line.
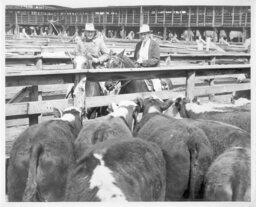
(118, 124)
(238, 114)
(41, 158)
(186, 149)
(228, 178)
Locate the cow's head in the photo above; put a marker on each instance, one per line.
(71, 114)
(154, 104)
(178, 108)
(128, 110)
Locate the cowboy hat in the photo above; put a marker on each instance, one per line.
(89, 27)
(144, 29)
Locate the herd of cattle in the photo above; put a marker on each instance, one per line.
(143, 150)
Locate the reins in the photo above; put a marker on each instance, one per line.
(122, 66)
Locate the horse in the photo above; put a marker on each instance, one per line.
(130, 86)
(91, 88)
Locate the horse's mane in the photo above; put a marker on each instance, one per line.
(128, 63)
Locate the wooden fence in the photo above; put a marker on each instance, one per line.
(33, 79)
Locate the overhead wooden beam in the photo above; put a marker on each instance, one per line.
(213, 16)
(197, 16)
(204, 15)
(172, 15)
(222, 16)
(155, 16)
(233, 16)
(189, 16)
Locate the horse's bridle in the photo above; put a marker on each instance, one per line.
(122, 66)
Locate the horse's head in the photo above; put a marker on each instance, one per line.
(116, 60)
(81, 62)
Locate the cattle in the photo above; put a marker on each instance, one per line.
(238, 114)
(41, 158)
(119, 170)
(238, 35)
(186, 150)
(244, 95)
(228, 178)
(118, 124)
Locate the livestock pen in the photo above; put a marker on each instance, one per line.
(35, 106)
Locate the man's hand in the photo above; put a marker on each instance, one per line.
(95, 60)
(139, 61)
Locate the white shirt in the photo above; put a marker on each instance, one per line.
(143, 54)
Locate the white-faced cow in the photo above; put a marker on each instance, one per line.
(116, 125)
(186, 149)
(41, 158)
(119, 170)
(229, 178)
(238, 114)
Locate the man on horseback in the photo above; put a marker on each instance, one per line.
(94, 48)
(147, 54)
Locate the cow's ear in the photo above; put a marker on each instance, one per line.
(139, 102)
(57, 112)
(165, 105)
(112, 107)
(121, 54)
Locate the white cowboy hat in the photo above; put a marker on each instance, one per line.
(89, 27)
(144, 29)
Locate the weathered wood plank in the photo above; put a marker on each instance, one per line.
(28, 108)
(33, 96)
(190, 85)
(20, 95)
(48, 77)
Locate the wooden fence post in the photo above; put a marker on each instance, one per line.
(80, 100)
(33, 96)
(211, 83)
(39, 63)
(190, 84)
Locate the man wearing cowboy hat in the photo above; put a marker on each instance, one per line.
(147, 54)
(147, 51)
(94, 47)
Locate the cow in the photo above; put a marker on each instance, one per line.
(118, 124)
(119, 170)
(186, 149)
(236, 35)
(244, 95)
(228, 178)
(238, 114)
(220, 135)
(41, 158)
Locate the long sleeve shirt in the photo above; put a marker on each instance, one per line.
(95, 48)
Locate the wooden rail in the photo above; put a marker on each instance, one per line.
(36, 78)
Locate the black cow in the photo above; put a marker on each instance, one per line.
(228, 178)
(239, 116)
(221, 136)
(41, 158)
(119, 170)
(118, 124)
(186, 149)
